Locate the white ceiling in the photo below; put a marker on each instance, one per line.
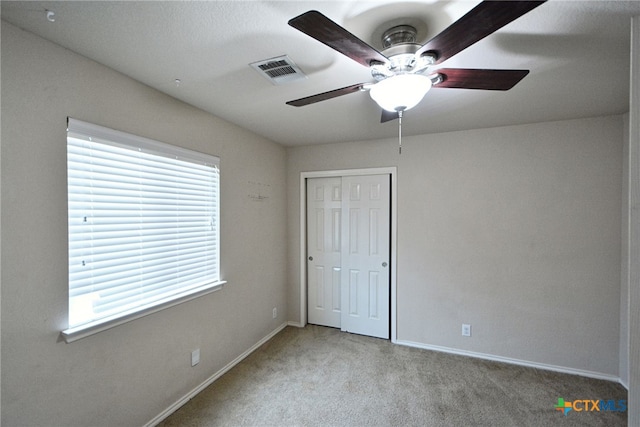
(577, 51)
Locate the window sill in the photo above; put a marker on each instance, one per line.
(73, 334)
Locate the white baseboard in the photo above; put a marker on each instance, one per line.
(296, 324)
(547, 367)
(624, 384)
(171, 409)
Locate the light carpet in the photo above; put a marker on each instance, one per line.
(317, 376)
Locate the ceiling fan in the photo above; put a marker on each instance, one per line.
(402, 71)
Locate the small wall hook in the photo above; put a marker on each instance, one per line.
(51, 16)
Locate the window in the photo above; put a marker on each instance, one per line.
(143, 226)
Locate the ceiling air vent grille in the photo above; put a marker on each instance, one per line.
(279, 70)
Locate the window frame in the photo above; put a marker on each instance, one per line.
(87, 131)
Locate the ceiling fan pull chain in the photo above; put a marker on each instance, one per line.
(399, 131)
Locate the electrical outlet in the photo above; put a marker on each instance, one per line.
(466, 330)
(275, 312)
(195, 357)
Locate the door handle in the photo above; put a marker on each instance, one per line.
(310, 258)
(384, 264)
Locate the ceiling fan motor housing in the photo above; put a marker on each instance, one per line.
(402, 60)
(400, 47)
(400, 34)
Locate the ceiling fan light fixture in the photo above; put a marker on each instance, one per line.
(401, 92)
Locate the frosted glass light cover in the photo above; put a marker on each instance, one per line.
(401, 92)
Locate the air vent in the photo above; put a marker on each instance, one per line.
(279, 70)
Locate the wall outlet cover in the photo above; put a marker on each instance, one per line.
(466, 330)
(195, 357)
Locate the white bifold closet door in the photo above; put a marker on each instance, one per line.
(348, 231)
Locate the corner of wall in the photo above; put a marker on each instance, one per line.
(634, 231)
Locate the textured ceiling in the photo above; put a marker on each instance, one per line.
(577, 51)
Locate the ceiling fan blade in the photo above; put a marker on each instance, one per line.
(387, 116)
(326, 95)
(323, 29)
(482, 20)
(469, 78)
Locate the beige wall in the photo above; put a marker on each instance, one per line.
(515, 230)
(129, 374)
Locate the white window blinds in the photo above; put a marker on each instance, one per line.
(143, 224)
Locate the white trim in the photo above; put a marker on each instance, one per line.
(186, 398)
(623, 383)
(393, 172)
(544, 366)
(74, 334)
(295, 324)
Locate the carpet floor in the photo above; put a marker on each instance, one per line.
(318, 376)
